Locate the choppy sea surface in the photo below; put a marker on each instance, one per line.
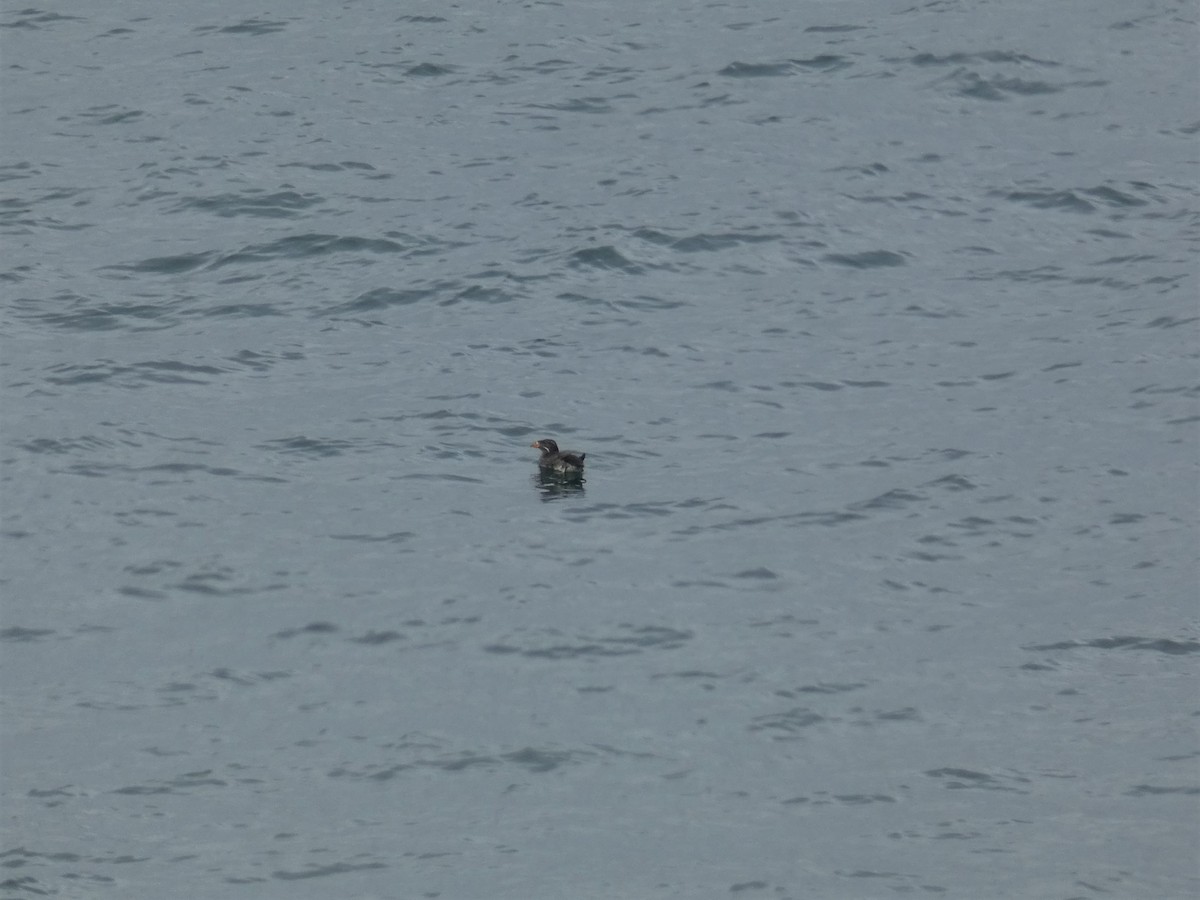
(876, 319)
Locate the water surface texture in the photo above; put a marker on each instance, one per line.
(876, 319)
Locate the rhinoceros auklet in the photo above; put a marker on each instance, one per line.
(565, 462)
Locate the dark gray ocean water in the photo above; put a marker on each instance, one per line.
(877, 321)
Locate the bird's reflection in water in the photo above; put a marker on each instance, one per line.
(553, 486)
